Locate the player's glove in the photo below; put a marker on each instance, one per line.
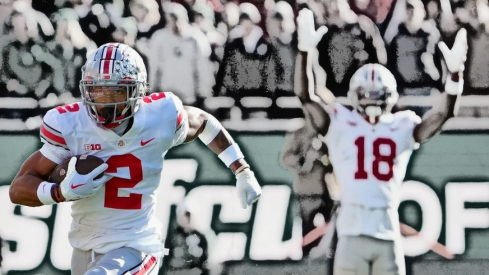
(307, 34)
(455, 57)
(76, 186)
(455, 60)
(248, 188)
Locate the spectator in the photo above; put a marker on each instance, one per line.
(414, 58)
(188, 247)
(377, 10)
(204, 19)
(179, 43)
(251, 66)
(229, 18)
(126, 31)
(307, 157)
(281, 28)
(352, 41)
(5, 10)
(147, 17)
(94, 19)
(70, 46)
(29, 72)
(474, 16)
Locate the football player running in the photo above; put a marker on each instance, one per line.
(369, 148)
(114, 229)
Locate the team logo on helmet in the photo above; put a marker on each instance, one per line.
(117, 66)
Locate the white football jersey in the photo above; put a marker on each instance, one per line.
(370, 163)
(122, 212)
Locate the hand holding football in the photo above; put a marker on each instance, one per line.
(84, 165)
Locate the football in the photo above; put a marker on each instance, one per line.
(84, 165)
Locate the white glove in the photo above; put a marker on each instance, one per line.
(248, 188)
(455, 58)
(76, 186)
(306, 32)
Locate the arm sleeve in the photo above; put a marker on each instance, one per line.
(181, 122)
(54, 153)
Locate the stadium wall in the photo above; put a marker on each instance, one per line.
(445, 198)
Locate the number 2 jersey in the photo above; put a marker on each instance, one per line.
(122, 212)
(370, 162)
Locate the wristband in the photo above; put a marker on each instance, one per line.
(241, 169)
(454, 88)
(231, 154)
(55, 193)
(44, 193)
(211, 129)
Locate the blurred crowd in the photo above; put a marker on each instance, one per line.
(234, 59)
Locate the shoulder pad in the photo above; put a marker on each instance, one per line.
(336, 110)
(407, 115)
(50, 131)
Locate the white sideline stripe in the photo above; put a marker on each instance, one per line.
(219, 102)
(288, 102)
(256, 102)
(264, 125)
(18, 103)
(466, 123)
(475, 100)
(428, 101)
(12, 125)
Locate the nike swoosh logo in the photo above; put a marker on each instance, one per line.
(76, 186)
(146, 142)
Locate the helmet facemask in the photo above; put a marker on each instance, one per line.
(373, 91)
(113, 84)
(372, 104)
(125, 100)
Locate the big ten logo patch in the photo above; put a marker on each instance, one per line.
(93, 147)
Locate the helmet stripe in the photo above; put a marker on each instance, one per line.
(108, 53)
(106, 66)
(373, 74)
(108, 58)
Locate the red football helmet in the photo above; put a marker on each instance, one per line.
(113, 66)
(373, 91)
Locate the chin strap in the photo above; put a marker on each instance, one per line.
(106, 118)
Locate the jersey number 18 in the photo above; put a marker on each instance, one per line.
(378, 159)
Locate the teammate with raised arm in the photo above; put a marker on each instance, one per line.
(369, 148)
(114, 228)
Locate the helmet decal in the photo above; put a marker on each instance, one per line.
(114, 65)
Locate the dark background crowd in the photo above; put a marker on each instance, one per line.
(235, 59)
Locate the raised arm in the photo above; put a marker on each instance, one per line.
(303, 77)
(446, 106)
(203, 125)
